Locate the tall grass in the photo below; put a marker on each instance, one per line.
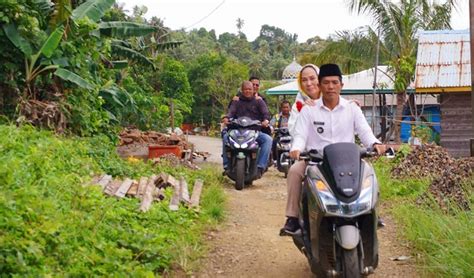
(52, 225)
(445, 241)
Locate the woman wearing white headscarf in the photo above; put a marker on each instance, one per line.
(308, 92)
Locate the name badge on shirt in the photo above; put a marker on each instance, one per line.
(318, 123)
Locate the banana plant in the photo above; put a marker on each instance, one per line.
(32, 68)
(93, 9)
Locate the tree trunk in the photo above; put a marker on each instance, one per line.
(398, 116)
(172, 115)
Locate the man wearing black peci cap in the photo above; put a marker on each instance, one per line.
(332, 119)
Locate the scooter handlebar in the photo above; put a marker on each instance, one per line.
(311, 155)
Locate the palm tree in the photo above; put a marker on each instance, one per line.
(350, 50)
(240, 25)
(399, 23)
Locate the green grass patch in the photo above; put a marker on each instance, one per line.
(446, 241)
(391, 188)
(52, 225)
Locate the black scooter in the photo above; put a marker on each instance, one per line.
(242, 149)
(338, 212)
(283, 146)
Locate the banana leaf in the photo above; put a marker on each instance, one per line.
(122, 43)
(93, 9)
(52, 42)
(123, 29)
(165, 45)
(21, 43)
(131, 55)
(120, 64)
(112, 97)
(74, 78)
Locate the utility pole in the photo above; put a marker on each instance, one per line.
(471, 32)
(375, 79)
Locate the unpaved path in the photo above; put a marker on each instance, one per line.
(248, 244)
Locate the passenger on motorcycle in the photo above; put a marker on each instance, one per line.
(278, 121)
(332, 119)
(256, 109)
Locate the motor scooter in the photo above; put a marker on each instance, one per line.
(283, 146)
(338, 215)
(242, 149)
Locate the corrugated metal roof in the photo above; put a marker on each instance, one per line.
(443, 59)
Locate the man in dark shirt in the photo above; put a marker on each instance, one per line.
(256, 109)
(256, 87)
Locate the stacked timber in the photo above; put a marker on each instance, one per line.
(151, 189)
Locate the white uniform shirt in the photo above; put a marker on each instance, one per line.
(318, 126)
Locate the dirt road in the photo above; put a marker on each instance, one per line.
(248, 244)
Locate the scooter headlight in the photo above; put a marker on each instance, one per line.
(333, 206)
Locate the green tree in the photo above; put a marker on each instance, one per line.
(175, 87)
(215, 79)
(399, 22)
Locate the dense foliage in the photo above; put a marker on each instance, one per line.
(86, 67)
(51, 224)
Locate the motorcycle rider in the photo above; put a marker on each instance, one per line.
(332, 119)
(256, 109)
(256, 87)
(278, 121)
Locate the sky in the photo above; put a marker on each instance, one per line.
(307, 18)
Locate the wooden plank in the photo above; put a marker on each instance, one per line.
(169, 180)
(95, 180)
(164, 178)
(148, 196)
(159, 180)
(196, 195)
(174, 202)
(159, 194)
(183, 190)
(112, 187)
(105, 181)
(133, 190)
(142, 186)
(123, 188)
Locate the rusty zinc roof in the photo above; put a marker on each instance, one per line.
(443, 61)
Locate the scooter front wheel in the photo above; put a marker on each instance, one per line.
(350, 263)
(239, 174)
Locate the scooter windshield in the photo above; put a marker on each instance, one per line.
(341, 166)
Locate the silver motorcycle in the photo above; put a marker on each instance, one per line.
(338, 216)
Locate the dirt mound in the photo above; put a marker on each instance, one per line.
(448, 186)
(448, 175)
(424, 161)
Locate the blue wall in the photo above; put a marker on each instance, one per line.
(431, 113)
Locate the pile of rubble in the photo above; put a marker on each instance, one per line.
(135, 143)
(448, 174)
(173, 161)
(131, 136)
